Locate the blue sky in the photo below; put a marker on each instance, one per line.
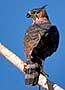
(13, 24)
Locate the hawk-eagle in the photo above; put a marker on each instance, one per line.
(41, 38)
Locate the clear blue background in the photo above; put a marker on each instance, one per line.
(13, 24)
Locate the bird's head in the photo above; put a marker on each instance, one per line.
(38, 14)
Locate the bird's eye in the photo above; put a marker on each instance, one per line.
(38, 11)
(34, 12)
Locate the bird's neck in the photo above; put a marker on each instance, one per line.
(40, 20)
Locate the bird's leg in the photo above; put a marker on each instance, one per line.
(31, 73)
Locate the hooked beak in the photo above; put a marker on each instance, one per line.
(28, 14)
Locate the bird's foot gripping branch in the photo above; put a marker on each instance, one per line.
(33, 76)
(32, 72)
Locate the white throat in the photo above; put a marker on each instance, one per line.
(40, 20)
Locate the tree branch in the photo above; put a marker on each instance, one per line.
(14, 59)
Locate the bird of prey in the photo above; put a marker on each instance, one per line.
(41, 40)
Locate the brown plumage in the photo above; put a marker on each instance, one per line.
(41, 38)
